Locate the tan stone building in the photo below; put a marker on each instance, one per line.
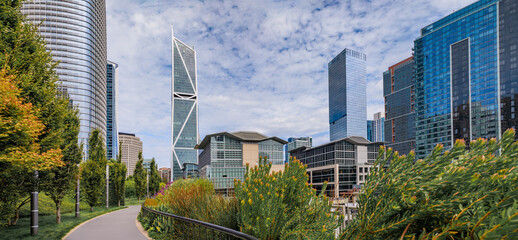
(165, 174)
(131, 146)
(225, 155)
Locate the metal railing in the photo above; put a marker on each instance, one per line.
(195, 229)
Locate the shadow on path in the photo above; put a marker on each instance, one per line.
(115, 225)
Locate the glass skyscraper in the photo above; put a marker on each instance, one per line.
(112, 139)
(466, 75)
(75, 33)
(399, 93)
(184, 107)
(347, 95)
(294, 143)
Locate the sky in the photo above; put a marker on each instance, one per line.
(261, 65)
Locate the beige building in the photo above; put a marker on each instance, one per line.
(131, 146)
(165, 174)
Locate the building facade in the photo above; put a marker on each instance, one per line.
(131, 146)
(467, 75)
(347, 95)
(146, 163)
(165, 174)
(370, 130)
(184, 107)
(75, 33)
(225, 155)
(112, 137)
(343, 163)
(296, 143)
(399, 93)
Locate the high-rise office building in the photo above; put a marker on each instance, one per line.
(296, 143)
(399, 92)
(112, 137)
(184, 107)
(347, 95)
(131, 146)
(75, 33)
(378, 124)
(467, 75)
(370, 130)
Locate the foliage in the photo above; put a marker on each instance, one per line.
(140, 178)
(36, 142)
(20, 151)
(282, 205)
(93, 171)
(62, 180)
(458, 194)
(118, 180)
(191, 198)
(129, 186)
(154, 178)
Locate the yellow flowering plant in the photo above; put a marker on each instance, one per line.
(282, 205)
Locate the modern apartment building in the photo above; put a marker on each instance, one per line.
(347, 95)
(399, 93)
(467, 75)
(296, 143)
(112, 137)
(146, 163)
(375, 128)
(165, 174)
(343, 163)
(131, 146)
(225, 155)
(184, 107)
(75, 33)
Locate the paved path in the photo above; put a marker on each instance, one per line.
(115, 225)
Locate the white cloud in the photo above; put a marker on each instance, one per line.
(262, 65)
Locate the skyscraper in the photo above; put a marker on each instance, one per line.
(112, 139)
(184, 107)
(296, 143)
(131, 146)
(399, 89)
(75, 32)
(347, 95)
(467, 75)
(378, 127)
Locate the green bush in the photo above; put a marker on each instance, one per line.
(458, 194)
(282, 205)
(130, 188)
(191, 198)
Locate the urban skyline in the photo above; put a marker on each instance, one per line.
(139, 41)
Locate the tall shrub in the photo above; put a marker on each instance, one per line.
(282, 205)
(140, 177)
(458, 194)
(93, 172)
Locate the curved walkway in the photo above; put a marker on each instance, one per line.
(120, 224)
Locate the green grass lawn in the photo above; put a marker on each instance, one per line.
(133, 201)
(48, 228)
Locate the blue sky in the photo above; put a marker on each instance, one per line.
(262, 65)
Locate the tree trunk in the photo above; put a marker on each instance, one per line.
(91, 209)
(58, 212)
(17, 211)
(119, 203)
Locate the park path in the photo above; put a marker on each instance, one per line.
(115, 225)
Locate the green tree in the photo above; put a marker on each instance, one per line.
(93, 171)
(23, 56)
(154, 178)
(140, 178)
(118, 178)
(62, 180)
(455, 194)
(282, 205)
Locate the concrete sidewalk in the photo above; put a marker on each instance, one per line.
(115, 225)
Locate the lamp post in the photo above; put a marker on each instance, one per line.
(77, 196)
(147, 183)
(34, 206)
(107, 185)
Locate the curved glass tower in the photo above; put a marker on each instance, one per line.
(75, 32)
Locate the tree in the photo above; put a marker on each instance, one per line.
(454, 194)
(118, 178)
(23, 57)
(19, 150)
(93, 171)
(154, 178)
(140, 178)
(62, 180)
